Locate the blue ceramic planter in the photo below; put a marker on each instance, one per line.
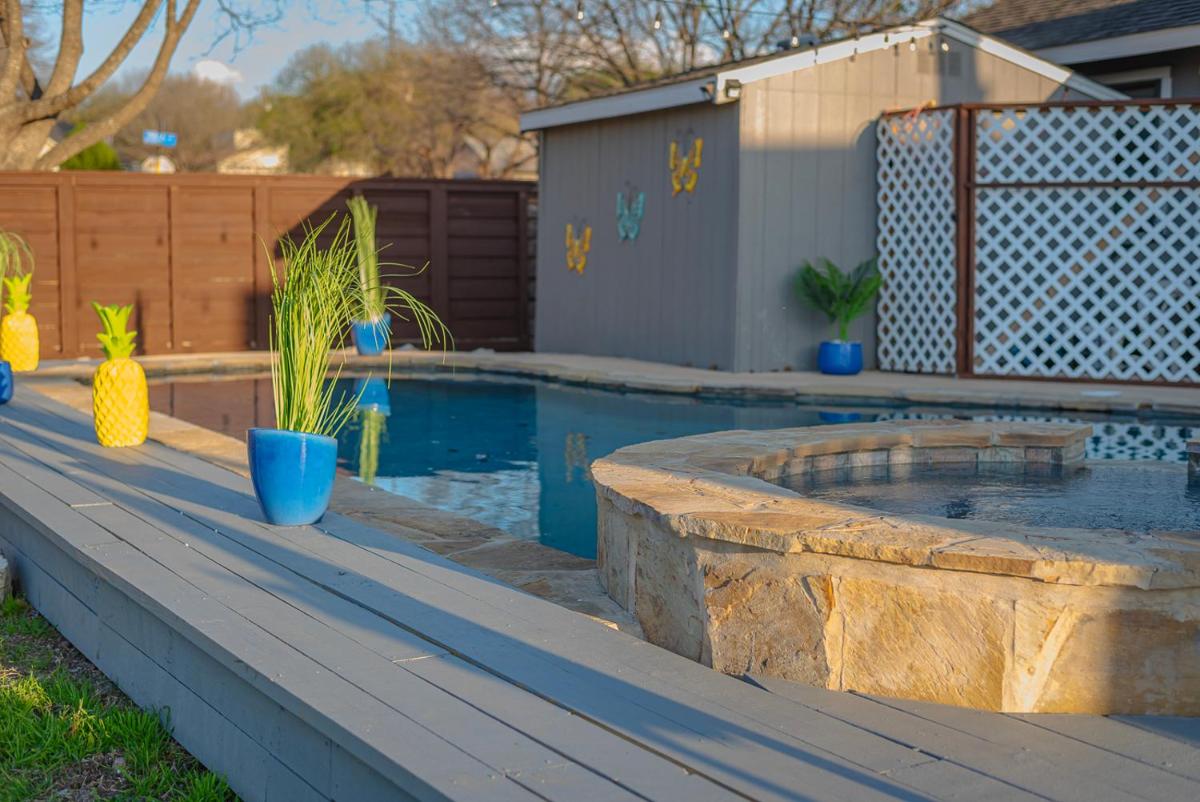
(372, 393)
(6, 382)
(292, 474)
(371, 337)
(840, 358)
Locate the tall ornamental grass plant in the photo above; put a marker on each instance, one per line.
(378, 296)
(312, 308)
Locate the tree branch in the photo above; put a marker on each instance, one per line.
(55, 104)
(89, 136)
(70, 48)
(14, 42)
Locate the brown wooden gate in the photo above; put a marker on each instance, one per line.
(186, 251)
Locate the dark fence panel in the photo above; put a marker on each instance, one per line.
(187, 251)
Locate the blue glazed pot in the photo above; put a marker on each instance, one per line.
(840, 358)
(371, 337)
(292, 474)
(372, 393)
(6, 382)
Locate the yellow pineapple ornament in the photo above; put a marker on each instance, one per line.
(120, 402)
(18, 331)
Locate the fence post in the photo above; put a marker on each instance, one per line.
(523, 339)
(262, 268)
(964, 241)
(68, 313)
(439, 250)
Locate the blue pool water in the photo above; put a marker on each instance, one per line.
(514, 453)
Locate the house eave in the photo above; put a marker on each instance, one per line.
(711, 88)
(1134, 44)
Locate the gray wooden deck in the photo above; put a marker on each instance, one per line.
(336, 662)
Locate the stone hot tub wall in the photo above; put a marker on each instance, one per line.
(748, 577)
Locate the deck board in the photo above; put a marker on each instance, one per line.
(353, 665)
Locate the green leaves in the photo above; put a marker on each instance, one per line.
(116, 341)
(368, 257)
(16, 258)
(843, 297)
(18, 293)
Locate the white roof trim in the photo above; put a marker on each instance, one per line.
(1023, 58)
(1134, 44)
(684, 93)
(689, 92)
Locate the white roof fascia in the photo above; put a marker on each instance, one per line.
(1134, 44)
(684, 93)
(1023, 58)
(822, 54)
(689, 92)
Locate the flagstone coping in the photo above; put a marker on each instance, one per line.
(867, 388)
(720, 565)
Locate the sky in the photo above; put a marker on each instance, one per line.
(305, 22)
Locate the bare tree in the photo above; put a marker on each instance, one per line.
(543, 51)
(31, 101)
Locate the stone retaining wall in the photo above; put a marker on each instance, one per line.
(748, 577)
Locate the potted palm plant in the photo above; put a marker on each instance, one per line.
(843, 297)
(372, 331)
(18, 331)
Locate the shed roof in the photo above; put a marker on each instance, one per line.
(1037, 24)
(709, 84)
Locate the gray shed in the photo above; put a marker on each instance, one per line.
(786, 173)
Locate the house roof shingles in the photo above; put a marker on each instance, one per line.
(1036, 24)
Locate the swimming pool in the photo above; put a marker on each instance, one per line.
(514, 453)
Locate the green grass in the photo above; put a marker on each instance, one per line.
(67, 733)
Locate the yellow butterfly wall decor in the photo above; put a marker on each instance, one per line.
(684, 173)
(577, 248)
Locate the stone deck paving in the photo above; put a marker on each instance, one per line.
(546, 572)
(631, 374)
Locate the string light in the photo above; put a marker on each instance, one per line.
(657, 20)
(725, 33)
(945, 46)
(912, 44)
(579, 12)
(795, 40)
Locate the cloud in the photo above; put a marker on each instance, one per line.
(218, 71)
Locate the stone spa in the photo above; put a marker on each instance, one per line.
(714, 543)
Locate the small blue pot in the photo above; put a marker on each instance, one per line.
(292, 473)
(840, 358)
(372, 393)
(6, 382)
(371, 337)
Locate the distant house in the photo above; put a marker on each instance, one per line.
(673, 216)
(1144, 48)
(247, 152)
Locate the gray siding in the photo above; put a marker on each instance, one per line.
(666, 296)
(807, 179)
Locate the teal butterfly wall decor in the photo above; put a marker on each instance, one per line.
(629, 215)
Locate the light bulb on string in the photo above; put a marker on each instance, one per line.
(795, 40)
(726, 33)
(579, 12)
(657, 20)
(912, 44)
(945, 46)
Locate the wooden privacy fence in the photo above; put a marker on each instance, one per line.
(187, 252)
(1058, 240)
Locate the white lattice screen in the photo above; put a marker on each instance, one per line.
(1078, 272)
(917, 310)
